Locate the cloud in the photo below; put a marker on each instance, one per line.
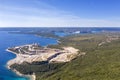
(39, 14)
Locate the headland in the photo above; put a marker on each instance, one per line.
(35, 53)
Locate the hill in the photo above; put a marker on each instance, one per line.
(101, 62)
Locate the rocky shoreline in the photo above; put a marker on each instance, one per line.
(31, 77)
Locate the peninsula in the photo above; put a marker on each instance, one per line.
(35, 53)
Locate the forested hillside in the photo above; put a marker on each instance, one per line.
(101, 62)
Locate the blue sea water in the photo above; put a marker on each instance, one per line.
(61, 34)
(10, 40)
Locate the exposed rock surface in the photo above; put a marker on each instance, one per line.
(33, 53)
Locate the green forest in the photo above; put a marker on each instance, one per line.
(99, 63)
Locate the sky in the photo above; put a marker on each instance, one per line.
(59, 13)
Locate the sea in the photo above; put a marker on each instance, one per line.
(10, 40)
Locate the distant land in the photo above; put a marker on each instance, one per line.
(51, 31)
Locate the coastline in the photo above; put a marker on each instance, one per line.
(62, 56)
(31, 77)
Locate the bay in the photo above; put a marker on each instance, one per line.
(10, 40)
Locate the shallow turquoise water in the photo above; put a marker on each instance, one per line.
(10, 40)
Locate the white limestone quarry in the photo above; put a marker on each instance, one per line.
(34, 53)
(42, 54)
